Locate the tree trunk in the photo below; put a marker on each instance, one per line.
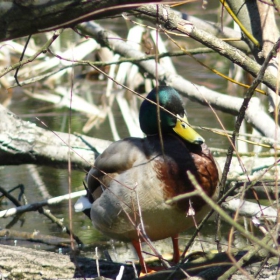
(22, 18)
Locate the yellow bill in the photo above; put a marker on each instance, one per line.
(183, 129)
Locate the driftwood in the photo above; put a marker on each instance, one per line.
(37, 205)
(24, 142)
(35, 236)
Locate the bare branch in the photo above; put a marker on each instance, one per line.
(24, 142)
(171, 21)
(38, 205)
(18, 19)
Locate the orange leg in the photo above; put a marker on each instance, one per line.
(144, 268)
(176, 251)
(137, 246)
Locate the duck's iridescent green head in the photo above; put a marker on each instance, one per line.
(170, 99)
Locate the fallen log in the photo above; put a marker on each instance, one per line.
(26, 263)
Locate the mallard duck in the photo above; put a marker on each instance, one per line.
(131, 180)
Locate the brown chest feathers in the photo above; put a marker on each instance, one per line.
(172, 170)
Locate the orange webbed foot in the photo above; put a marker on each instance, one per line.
(145, 270)
(150, 270)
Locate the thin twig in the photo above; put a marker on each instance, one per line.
(30, 59)
(9, 196)
(20, 59)
(59, 222)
